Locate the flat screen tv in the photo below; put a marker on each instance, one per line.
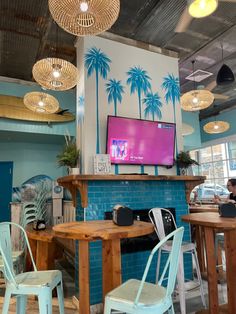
(140, 142)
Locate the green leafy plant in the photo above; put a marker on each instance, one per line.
(69, 155)
(184, 160)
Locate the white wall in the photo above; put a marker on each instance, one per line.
(122, 57)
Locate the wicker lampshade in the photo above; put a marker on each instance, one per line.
(41, 102)
(196, 100)
(56, 74)
(84, 17)
(216, 127)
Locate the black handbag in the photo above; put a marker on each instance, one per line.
(227, 210)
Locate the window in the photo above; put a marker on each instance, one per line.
(218, 164)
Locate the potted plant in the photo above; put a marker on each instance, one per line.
(184, 161)
(69, 156)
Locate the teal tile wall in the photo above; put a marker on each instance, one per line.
(103, 195)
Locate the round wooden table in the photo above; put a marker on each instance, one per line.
(209, 222)
(42, 244)
(110, 234)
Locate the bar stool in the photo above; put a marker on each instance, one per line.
(160, 218)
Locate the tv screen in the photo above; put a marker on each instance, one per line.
(140, 142)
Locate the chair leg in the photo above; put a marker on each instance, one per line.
(6, 303)
(180, 280)
(171, 310)
(21, 302)
(158, 265)
(107, 307)
(199, 277)
(45, 301)
(60, 297)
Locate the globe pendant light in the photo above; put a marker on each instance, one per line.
(196, 99)
(84, 17)
(202, 8)
(41, 102)
(55, 73)
(216, 127)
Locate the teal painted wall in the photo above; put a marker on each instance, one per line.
(193, 140)
(30, 159)
(228, 116)
(33, 146)
(66, 99)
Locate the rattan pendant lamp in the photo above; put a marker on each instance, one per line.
(84, 17)
(40, 102)
(54, 73)
(216, 127)
(196, 99)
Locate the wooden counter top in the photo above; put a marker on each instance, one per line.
(80, 182)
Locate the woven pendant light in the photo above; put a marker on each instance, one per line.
(41, 102)
(216, 127)
(84, 17)
(196, 100)
(55, 74)
(201, 8)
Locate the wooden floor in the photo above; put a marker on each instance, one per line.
(32, 306)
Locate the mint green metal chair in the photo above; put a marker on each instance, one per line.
(39, 283)
(138, 297)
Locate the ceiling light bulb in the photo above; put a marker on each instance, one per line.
(41, 103)
(56, 73)
(216, 126)
(202, 8)
(84, 6)
(202, 4)
(195, 100)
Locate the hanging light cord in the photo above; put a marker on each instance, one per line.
(194, 82)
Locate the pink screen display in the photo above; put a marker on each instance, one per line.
(133, 141)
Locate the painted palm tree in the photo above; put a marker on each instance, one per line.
(139, 82)
(98, 62)
(114, 91)
(171, 86)
(172, 90)
(153, 105)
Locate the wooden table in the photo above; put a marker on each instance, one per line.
(42, 245)
(209, 222)
(210, 208)
(110, 234)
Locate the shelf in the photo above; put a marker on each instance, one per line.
(79, 183)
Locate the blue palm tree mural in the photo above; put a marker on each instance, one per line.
(139, 82)
(153, 107)
(114, 91)
(172, 93)
(98, 62)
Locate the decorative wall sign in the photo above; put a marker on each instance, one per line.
(102, 164)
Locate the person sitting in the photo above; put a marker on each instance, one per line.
(231, 186)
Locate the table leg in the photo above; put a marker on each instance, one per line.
(230, 254)
(211, 271)
(111, 265)
(200, 248)
(84, 290)
(45, 255)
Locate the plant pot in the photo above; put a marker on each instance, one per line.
(74, 171)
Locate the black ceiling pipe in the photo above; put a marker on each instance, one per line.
(225, 76)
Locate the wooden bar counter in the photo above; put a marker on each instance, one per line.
(110, 234)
